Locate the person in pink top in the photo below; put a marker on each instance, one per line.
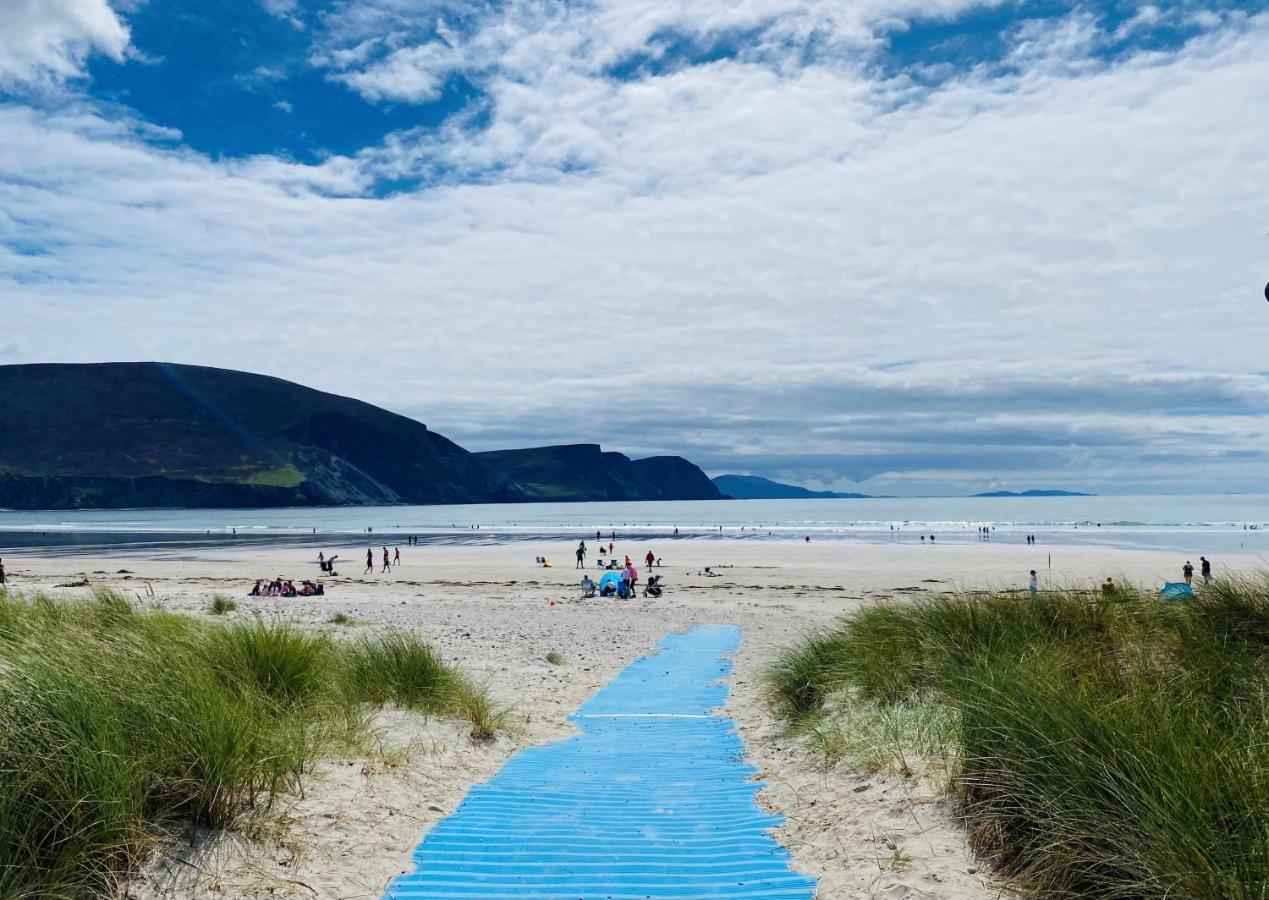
(631, 575)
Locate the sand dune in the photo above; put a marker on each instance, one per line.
(496, 614)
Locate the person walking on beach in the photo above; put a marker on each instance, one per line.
(396, 556)
(1206, 570)
(370, 562)
(1187, 570)
(581, 555)
(387, 563)
(650, 559)
(610, 546)
(1033, 584)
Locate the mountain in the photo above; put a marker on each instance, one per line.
(1033, 494)
(117, 435)
(152, 434)
(753, 487)
(586, 472)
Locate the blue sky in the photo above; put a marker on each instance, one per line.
(884, 245)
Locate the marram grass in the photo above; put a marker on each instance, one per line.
(115, 722)
(1103, 747)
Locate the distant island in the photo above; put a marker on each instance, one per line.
(753, 487)
(149, 434)
(1033, 494)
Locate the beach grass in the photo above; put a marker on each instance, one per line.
(555, 658)
(116, 722)
(221, 605)
(1099, 746)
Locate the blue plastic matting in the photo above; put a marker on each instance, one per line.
(653, 799)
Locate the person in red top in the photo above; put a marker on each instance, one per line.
(650, 558)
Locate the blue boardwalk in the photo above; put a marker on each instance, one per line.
(652, 800)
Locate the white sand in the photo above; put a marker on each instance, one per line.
(488, 610)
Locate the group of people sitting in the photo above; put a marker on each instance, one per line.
(279, 588)
(623, 587)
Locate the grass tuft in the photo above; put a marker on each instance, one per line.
(117, 722)
(555, 658)
(221, 605)
(1105, 747)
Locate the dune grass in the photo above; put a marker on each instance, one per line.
(115, 722)
(555, 657)
(221, 605)
(1101, 747)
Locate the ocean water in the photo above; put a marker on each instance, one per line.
(1227, 523)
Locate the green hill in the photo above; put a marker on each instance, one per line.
(152, 434)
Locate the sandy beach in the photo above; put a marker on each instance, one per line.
(496, 614)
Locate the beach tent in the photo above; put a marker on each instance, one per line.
(613, 578)
(1176, 590)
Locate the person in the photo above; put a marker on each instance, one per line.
(1206, 570)
(3, 577)
(808, 539)
(630, 575)
(581, 555)
(923, 539)
(387, 563)
(650, 559)
(610, 546)
(1108, 589)
(1187, 571)
(1033, 584)
(676, 531)
(370, 562)
(598, 536)
(321, 560)
(396, 556)
(588, 586)
(255, 590)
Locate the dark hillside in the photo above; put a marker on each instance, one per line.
(156, 434)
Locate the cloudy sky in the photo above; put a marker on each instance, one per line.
(899, 246)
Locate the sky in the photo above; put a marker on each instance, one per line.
(891, 246)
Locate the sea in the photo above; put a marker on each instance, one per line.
(1190, 524)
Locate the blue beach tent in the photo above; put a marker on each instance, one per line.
(1176, 590)
(613, 578)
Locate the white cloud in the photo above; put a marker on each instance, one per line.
(44, 42)
(747, 259)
